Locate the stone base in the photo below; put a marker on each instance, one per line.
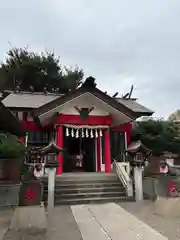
(167, 207)
(31, 219)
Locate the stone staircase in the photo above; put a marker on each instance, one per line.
(83, 188)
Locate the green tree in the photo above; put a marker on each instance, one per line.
(159, 136)
(30, 70)
(10, 146)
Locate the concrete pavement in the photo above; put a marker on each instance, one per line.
(5, 217)
(87, 222)
(168, 226)
(111, 222)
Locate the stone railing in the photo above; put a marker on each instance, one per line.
(122, 170)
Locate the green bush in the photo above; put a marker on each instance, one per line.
(11, 147)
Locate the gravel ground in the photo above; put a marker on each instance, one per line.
(169, 227)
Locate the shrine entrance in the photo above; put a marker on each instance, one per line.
(80, 155)
(80, 146)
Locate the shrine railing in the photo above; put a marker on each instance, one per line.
(122, 171)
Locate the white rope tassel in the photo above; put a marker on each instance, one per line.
(72, 132)
(82, 133)
(67, 132)
(96, 133)
(91, 133)
(77, 133)
(100, 133)
(87, 133)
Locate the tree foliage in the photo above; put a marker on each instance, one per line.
(35, 71)
(175, 116)
(11, 147)
(159, 136)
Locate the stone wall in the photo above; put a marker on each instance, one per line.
(161, 186)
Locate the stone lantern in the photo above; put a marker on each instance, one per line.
(139, 155)
(50, 154)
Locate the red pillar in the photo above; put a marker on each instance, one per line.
(60, 143)
(98, 149)
(107, 151)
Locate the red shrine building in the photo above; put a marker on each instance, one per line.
(91, 126)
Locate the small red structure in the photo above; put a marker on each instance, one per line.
(172, 187)
(29, 194)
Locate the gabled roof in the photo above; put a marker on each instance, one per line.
(135, 106)
(28, 99)
(78, 92)
(44, 102)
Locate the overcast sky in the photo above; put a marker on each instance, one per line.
(120, 42)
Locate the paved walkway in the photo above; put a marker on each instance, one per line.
(168, 226)
(5, 216)
(87, 222)
(111, 222)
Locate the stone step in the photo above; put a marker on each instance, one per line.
(87, 184)
(88, 195)
(85, 174)
(85, 194)
(82, 188)
(97, 200)
(84, 177)
(83, 180)
(89, 190)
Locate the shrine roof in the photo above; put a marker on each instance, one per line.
(135, 106)
(41, 101)
(28, 99)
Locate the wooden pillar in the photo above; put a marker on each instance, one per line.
(60, 143)
(98, 149)
(107, 151)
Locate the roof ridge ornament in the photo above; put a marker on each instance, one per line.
(89, 83)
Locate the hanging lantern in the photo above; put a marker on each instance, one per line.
(77, 133)
(67, 132)
(100, 133)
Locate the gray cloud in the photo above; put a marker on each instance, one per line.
(121, 42)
